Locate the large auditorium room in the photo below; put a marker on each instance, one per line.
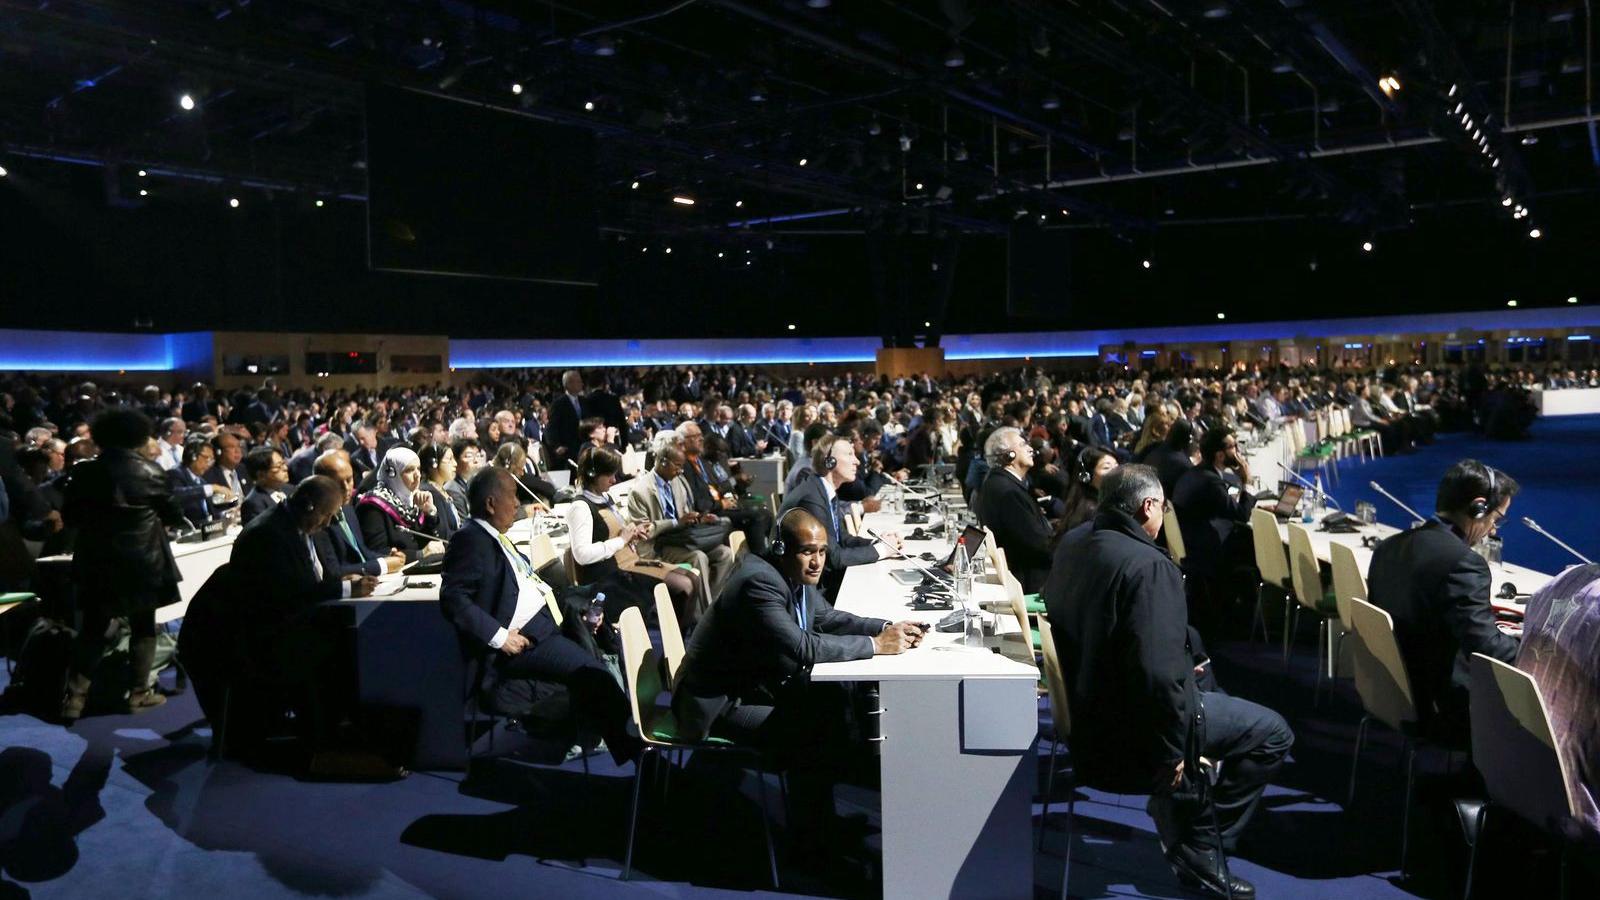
(808, 448)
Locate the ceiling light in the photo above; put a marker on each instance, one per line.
(791, 324)
(1217, 11)
(919, 186)
(588, 106)
(1366, 246)
(803, 160)
(516, 88)
(1282, 66)
(143, 192)
(1066, 212)
(1535, 233)
(681, 200)
(1528, 140)
(1511, 303)
(930, 324)
(605, 47)
(960, 153)
(719, 254)
(1050, 101)
(819, 4)
(3, 172)
(1572, 299)
(758, 92)
(186, 102)
(319, 204)
(668, 250)
(874, 127)
(1452, 90)
(954, 58)
(738, 203)
(233, 202)
(142, 173)
(634, 186)
(1222, 315)
(1505, 201)
(1145, 263)
(1494, 163)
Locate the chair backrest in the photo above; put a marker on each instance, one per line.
(1055, 681)
(1297, 437)
(1308, 432)
(1348, 582)
(1174, 535)
(1514, 746)
(1304, 573)
(541, 550)
(671, 634)
(999, 565)
(736, 541)
(991, 547)
(1019, 607)
(1341, 418)
(571, 566)
(632, 462)
(642, 675)
(1380, 673)
(1270, 556)
(851, 526)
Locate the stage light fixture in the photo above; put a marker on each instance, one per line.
(738, 204)
(1366, 246)
(319, 204)
(803, 160)
(516, 88)
(1535, 233)
(142, 173)
(1452, 90)
(588, 106)
(681, 200)
(233, 202)
(919, 186)
(1145, 263)
(719, 254)
(1222, 315)
(1505, 201)
(668, 250)
(186, 102)
(634, 186)
(143, 192)
(1511, 303)
(927, 324)
(791, 326)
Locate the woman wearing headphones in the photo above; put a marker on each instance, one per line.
(604, 551)
(1091, 464)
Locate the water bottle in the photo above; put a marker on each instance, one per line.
(1322, 498)
(596, 611)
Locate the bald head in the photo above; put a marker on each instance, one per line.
(335, 464)
(805, 547)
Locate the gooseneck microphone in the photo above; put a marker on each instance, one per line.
(1557, 541)
(423, 534)
(1326, 497)
(1396, 501)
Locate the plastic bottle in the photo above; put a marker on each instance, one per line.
(595, 613)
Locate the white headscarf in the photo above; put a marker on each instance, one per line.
(397, 460)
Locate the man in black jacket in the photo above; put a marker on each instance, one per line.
(343, 534)
(561, 437)
(1437, 590)
(746, 675)
(1139, 721)
(834, 464)
(1213, 507)
(1007, 508)
(510, 622)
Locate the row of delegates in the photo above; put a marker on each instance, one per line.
(605, 551)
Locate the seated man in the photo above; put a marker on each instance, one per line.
(1213, 506)
(344, 530)
(268, 475)
(1561, 650)
(1140, 722)
(746, 675)
(229, 454)
(1437, 590)
(699, 474)
(469, 459)
(201, 500)
(833, 464)
(1007, 508)
(510, 623)
(662, 499)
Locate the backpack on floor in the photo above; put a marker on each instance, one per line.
(40, 680)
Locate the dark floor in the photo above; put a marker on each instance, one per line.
(128, 807)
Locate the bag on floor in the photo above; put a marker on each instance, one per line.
(40, 680)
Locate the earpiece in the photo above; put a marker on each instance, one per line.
(1481, 505)
(779, 548)
(1085, 472)
(828, 463)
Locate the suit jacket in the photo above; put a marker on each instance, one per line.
(1007, 507)
(1169, 464)
(190, 491)
(219, 476)
(1437, 590)
(478, 595)
(1210, 507)
(302, 463)
(457, 491)
(750, 644)
(272, 568)
(1120, 624)
(362, 461)
(350, 551)
(562, 429)
(844, 550)
(255, 503)
(444, 509)
(644, 504)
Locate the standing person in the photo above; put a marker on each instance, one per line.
(1140, 722)
(123, 565)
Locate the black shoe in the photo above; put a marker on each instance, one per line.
(1202, 871)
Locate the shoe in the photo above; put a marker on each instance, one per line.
(144, 700)
(581, 750)
(77, 695)
(1202, 871)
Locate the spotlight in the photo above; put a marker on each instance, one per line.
(143, 192)
(803, 160)
(719, 254)
(142, 173)
(186, 102)
(1535, 233)
(1505, 201)
(681, 200)
(1366, 246)
(1145, 263)
(1065, 212)
(588, 106)
(737, 204)
(1511, 303)
(233, 202)
(516, 88)
(1050, 101)
(668, 250)
(919, 186)
(1452, 90)
(1529, 140)
(930, 324)
(954, 58)
(791, 324)
(1390, 85)
(1222, 315)
(3, 172)
(1494, 163)
(1572, 299)
(634, 186)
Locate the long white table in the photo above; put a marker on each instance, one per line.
(1567, 401)
(958, 726)
(1526, 580)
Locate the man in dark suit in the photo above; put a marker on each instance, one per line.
(269, 476)
(687, 391)
(343, 534)
(1171, 458)
(1437, 590)
(364, 454)
(834, 463)
(510, 622)
(561, 434)
(1213, 507)
(302, 461)
(1007, 508)
(746, 675)
(1140, 722)
(225, 471)
(201, 500)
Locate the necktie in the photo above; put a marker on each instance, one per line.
(800, 610)
(833, 507)
(316, 561)
(350, 536)
(668, 507)
(525, 569)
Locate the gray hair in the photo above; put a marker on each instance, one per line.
(665, 438)
(330, 441)
(1126, 488)
(999, 441)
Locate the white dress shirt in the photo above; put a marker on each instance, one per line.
(531, 591)
(586, 551)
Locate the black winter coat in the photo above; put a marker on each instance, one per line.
(121, 506)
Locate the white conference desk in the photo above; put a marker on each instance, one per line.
(1567, 401)
(958, 726)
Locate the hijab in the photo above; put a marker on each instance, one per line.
(391, 489)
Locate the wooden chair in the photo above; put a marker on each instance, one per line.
(1386, 695)
(659, 729)
(671, 635)
(1348, 583)
(1306, 576)
(1060, 734)
(1173, 534)
(1514, 747)
(736, 541)
(1273, 563)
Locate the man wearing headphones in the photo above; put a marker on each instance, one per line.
(1006, 507)
(1437, 589)
(833, 464)
(746, 674)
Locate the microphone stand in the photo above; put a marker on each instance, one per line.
(1326, 499)
(1396, 501)
(1558, 542)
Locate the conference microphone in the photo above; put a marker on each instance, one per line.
(945, 577)
(1396, 501)
(423, 534)
(1302, 479)
(537, 500)
(1558, 542)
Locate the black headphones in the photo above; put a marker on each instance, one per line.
(1085, 473)
(1481, 505)
(1010, 457)
(778, 547)
(828, 463)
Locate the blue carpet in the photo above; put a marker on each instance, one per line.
(128, 807)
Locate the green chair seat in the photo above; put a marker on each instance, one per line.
(664, 727)
(1035, 604)
(15, 597)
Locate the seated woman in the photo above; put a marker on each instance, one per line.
(603, 550)
(1087, 469)
(438, 466)
(596, 433)
(396, 514)
(532, 490)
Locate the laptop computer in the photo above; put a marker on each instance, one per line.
(1289, 495)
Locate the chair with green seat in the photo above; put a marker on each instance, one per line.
(1309, 450)
(1306, 576)
(658, 728)
(13, 600)
(1019, 608)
